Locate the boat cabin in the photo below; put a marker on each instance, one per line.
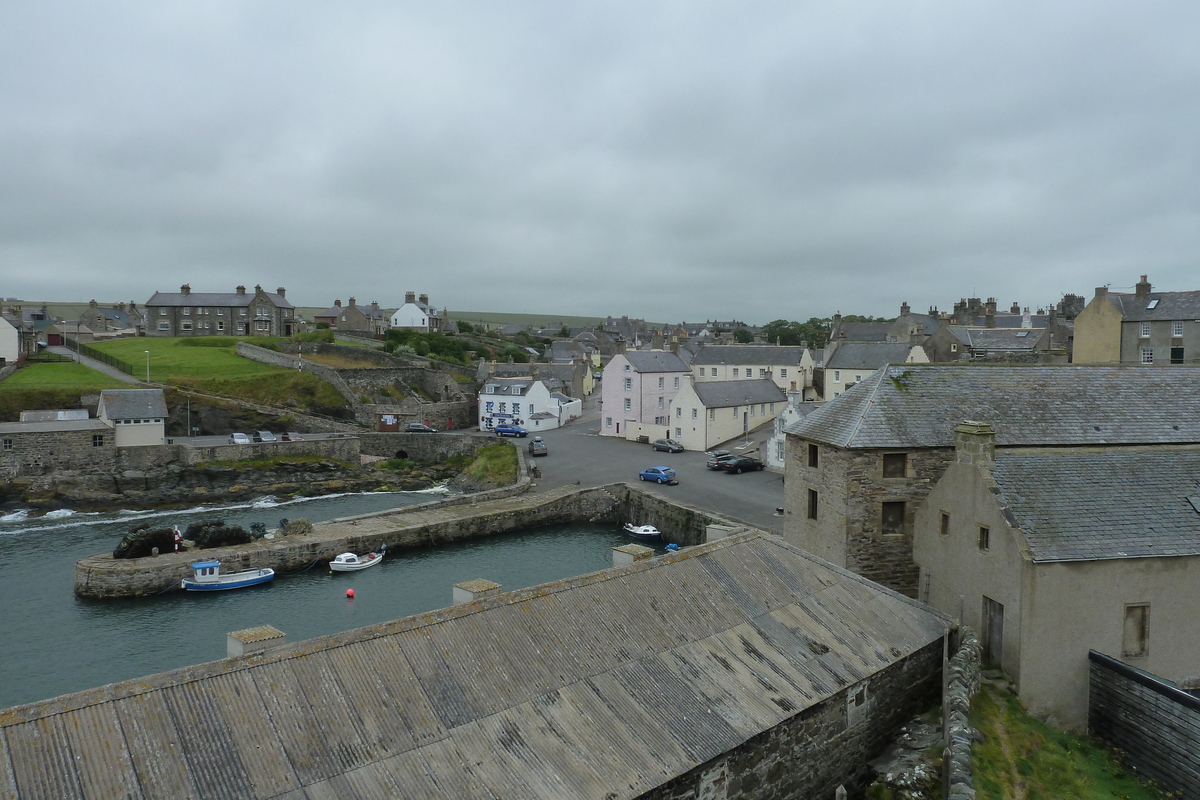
(206, 571)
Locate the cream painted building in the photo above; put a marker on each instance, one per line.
(850, 363)
(706, 413)
(1050, 553)
(790, 368)
(1144, 328)
(137, 416)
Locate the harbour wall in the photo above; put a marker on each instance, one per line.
(426, 525)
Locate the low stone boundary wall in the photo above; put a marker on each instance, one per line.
(430, 524)
(429, 447)
(962, 683)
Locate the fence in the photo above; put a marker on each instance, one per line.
(1153, 723)
(101, 356)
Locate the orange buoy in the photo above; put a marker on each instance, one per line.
(350, 593)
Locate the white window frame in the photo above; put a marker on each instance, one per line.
(629, 384)
(1177, 328)
(1144, 333)
(676, 381)
(628, 404)
(1147, 355)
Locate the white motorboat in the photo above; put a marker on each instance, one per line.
(351, 562)
(643, 533)
(207, 577)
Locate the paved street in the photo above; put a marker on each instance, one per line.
(579, 454)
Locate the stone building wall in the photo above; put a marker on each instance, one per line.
(31, 453)
(851, 492)
(823, 747)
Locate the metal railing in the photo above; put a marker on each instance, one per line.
(102, 357)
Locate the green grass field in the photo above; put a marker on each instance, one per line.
(179, 357)
(65, 375)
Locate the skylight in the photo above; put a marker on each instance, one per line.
(1152, 304)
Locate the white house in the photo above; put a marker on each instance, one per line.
(137, 416)
(10, 342)
(636, 393)
(775, 448)
(417, 314)
(849, 363)
(707, 413)
(791, 368)
(524, 401)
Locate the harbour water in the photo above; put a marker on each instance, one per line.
(54, 643)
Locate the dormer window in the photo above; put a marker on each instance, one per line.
(491, 390)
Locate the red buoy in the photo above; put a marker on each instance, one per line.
(350, 593)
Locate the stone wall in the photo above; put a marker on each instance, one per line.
(683, 525)
(341, 447)
(962, 684)
(288, 361)
(1154, 725)
(851, 492)
(425, 447)
(31, 453)
(823, 747)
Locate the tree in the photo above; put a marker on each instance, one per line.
(465, 327)
(743, 336)
(565, 332)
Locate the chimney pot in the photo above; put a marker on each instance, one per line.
(282, 292)
(185, 289)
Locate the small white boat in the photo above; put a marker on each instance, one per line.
(349, 562)
(207, 577)
(643, 533)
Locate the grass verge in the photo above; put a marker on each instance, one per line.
(60, 375)
(494, 464)
(1022, 758)
(299, 388)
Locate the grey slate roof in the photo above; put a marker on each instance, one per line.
(865, 331)
(214, 299)
(999, 338)
(602, 686)
(755, 355)
(724, 394)
(918, 405)
(867, 355)
(1170, 306)
(655, 361)
(1085, 506)
(133, 403)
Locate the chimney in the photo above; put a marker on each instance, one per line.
(1026, 319)
(943, 321)
(1101, 291)
(1142, 289)
(990, 317)
(282, 292)
(185, 289)
(410, 297)
(253, 640)
(92, 304)
(975, 443)
(424, 299)
(675, 347)
(656, 340)
(1016, 309)
(991, 305)
(241, 290)
(257, 288)
(904, 309)
(492, 368)
(337, 303)
(469, 591)
(620, 346)
(351, 302)
(627, 554)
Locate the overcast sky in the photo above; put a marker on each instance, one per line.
(671, 160)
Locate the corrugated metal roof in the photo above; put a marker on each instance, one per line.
(918, 405)
(601, 686)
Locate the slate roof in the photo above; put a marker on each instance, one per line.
(132, 403)
(1011, 321)
(756, 355)
(918, 405)
(1170, 306)
(867, 355)
(214, 299)
(864, 331)
(724, 394)
(655, 361)
(602, 686)
(1016, 339)
(1087, 506)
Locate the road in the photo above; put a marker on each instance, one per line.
(579, 454)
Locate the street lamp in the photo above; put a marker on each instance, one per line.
(147, 366)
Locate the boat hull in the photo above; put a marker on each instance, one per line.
(236, 580)
(643, 533)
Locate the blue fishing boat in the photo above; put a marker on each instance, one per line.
(207, 577)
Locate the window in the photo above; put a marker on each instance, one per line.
(242, 311)
(772, 408)
(837, 376)
(762, 373)
(491, 390)
(679, 413)
(985, 538)
(953, 348)
(1145, 329)
(735, 372)
(1176, 355)
(858, 378)
(712, 414)
(660, 420)
(660, 381)
(220, 325)
(504, 408)
(751, 410)
(894, 465)
(695, 413)
(783, 372)
(8, 445)
(1147, 355)
(676, 381)
(892, 520)
(1177, 328)
(628, 404)
(812, 503)
(608, 422)
(944, 528)
(489, 406)
(779, 452)
(762, 409)
(162, 312)
(187, 312)
(1153, 304)
(516, 409)
(813, 455)
(97, 440)
(1136, 638)
(678, 433)
(627, 368)
(187, 326)
(714, 372)
(163, 325)
(660, 402)
(220, 312)
(628, 384)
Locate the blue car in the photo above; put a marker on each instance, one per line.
(659, 475)
(511, 430)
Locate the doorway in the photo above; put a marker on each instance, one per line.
(993, 631)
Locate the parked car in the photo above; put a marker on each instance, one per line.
(291, 436)
(239, 438)
(718, 457)
(419, 427)
(537, 447)
(667, 445)
(264, 436)
(659, 475)
(511, 430)
(739, 464)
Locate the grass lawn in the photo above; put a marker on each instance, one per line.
(62, 375)
(1021, 757)
(173, 357)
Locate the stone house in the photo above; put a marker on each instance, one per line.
(237, 313)
(1050, 553)
(706, 413)
(1146, 327)
(848, 363)
(138, 416)
(636, 393)
(791, 368)
(858, 468)
(56, 446)
(417, 314)
(117, 318)
(354, 318)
